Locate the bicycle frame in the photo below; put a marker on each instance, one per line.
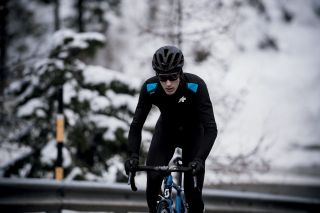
(180, 205)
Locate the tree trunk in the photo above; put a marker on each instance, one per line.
(3, 45)
(81, 27)
(56, 15)
(180, 13)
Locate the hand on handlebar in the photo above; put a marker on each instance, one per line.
(130, 167)
(131, 164)
(197, 166)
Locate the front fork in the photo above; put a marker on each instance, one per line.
(166, 202)
(168, 184)
(180, 205)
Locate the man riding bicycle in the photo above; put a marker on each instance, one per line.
(186, 121)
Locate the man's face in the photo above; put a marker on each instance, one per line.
(169, 82)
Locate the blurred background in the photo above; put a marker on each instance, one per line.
(259, 58)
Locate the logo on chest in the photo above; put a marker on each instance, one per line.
(182, 99)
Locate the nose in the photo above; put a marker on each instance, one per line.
(168, 83)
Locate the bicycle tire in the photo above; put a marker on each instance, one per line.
(184, 207)
(163, 207)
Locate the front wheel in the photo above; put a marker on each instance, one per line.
(163, 207)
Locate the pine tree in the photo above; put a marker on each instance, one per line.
(98, 106)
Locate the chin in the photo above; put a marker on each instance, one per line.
(170, 93)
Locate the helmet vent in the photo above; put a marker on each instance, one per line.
(169, 58)
(175, 60)
(166, 52)
(160, 59)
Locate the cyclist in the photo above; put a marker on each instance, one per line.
(186, 121)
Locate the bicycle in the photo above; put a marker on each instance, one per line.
(166, 202)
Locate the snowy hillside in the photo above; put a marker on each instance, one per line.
(260, 60)
(261, 94)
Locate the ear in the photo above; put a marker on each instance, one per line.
(181, 74)
(180, 71)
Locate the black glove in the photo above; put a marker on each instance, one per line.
(197, 166)
(131, 164)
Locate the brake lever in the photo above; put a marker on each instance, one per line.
(131, 181)
(195, 182)
(195, 179)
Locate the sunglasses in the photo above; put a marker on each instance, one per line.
(170, 77)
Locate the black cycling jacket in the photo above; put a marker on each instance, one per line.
(187, 109)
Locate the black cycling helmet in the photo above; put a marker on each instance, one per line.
(167, 59)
